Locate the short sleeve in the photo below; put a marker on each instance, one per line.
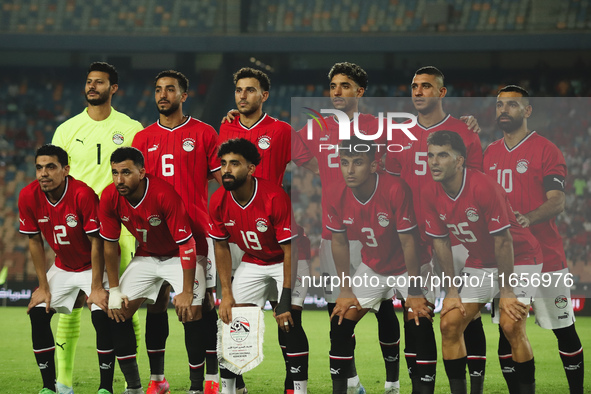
(494, 204)
(211, 149)
(282, 217)
(110, 223)
(217, 228)
(27, 220)
(176, 216)
(300, 154)
(434, 226)
(402, 207)
(89, 210)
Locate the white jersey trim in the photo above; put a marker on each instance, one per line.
(143, 197)
(254, 125)
(404, 230)
(61, 198)
(461, 188)
(372, 194)
(436, 235)
(520, 142)
(176, 127)
(293, 236)
(256, 188)
(501, 229)
(218, 238)
(435, 125)
(184, 240)
(334, 230)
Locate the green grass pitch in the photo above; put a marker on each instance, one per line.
(19, 373)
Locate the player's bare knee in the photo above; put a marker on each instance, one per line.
(450, 327)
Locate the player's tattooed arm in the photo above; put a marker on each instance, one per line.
(41, 294)
(223, 260)
(98, 294)
(504, 256)
(443, 254)
(552, 207)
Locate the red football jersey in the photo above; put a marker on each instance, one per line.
(258, 227)
(323, 145)
(411, 164)
(526, 172)
(159, 221)
(184, 157)
(65, 224)
(272, 138)
(375, 222)
(480, 210)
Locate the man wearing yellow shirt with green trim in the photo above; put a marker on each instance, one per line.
(89, 138)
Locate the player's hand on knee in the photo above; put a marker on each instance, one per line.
(451, 303)
(472, 123)
(182, 304)
(513, 308)
(40, 296)
(419, 307)
(225, 311)
(233, 113)
(99, 297)
(346, 301)
(116, 299)
(284, 321)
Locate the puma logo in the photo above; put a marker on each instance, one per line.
(62, 345)
(497, 219)
(559, 181)
(78, 140)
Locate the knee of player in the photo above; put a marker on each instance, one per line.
(450, 326)
(513, 330)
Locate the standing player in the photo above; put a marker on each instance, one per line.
(478, 213)
(272, 139)
(348, 82)
(182, 151)
(428, 91)
(532, 171)
(255, 214)
(378, 211)
(90, 138)
(154, 213)
(65, 211)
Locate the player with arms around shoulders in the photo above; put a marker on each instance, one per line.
(182, 151)
(532, 170)
(256, 214)
(65, 211)
(476, 210)
(154, 213)
(376, 209)
(273, 140)
(89, 138)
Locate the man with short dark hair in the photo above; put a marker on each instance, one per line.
(377, 210)
(65, 211)
(182, 151)
(154, 213)
(256, 214)
(89, 138)
(476, 210)
(532, 170)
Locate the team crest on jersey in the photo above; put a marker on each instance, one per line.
(472, 214)
(118, 138)
(239, 329)
(71, 220)
(188, 144)
(264, 142)
(561, 302)
(521, 166)
(262, 225)
(383, 219)
(154, 220)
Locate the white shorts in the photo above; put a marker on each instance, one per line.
(252, 281)
(300, 290)
(64, 287)
(553, 306)
(210, 270)
(525, 292)
(144, 276)
(479, 285)
(460, 255)
(236, 254)
(328, 269)
(372, 288)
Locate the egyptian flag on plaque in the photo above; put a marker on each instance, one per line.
(240, 343)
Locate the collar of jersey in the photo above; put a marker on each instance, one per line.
(372, 194)
(63, 194)
(256, 187)
(176, 127)
(465, 173)
(520, 142)
(143, 197)
(254, 125)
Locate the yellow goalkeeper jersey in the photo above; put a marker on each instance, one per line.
(90, 143)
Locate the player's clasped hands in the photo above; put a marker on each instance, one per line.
(40, 296)
(420, 308)
(182, 305)
(509, 304)
(99, 297)
(116, 298)
(346, 301)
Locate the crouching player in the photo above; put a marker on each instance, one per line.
(477, 212)
(256, 214)
(154, 213)
(65, 211)
(376, 209)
